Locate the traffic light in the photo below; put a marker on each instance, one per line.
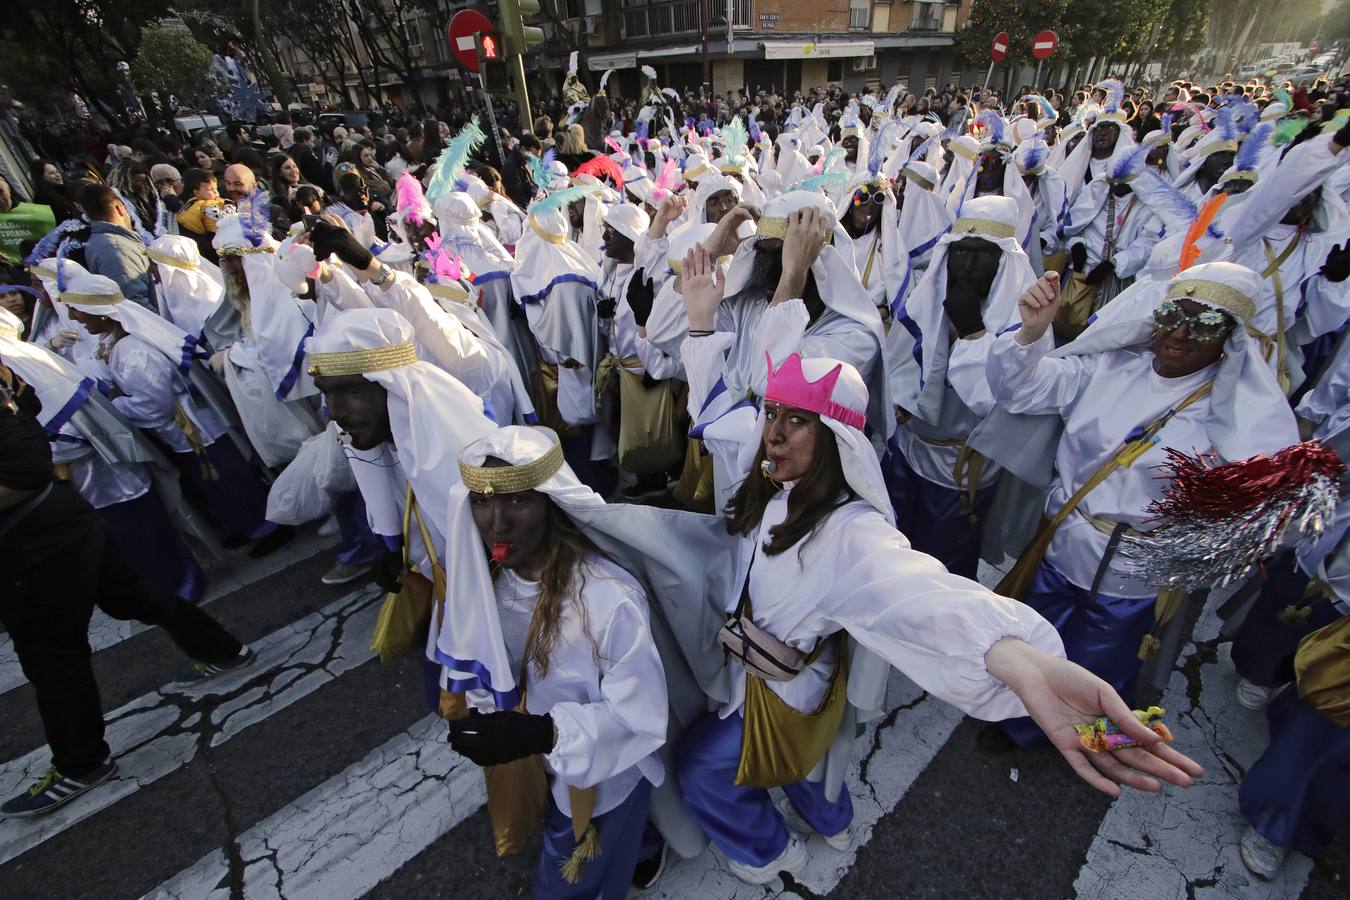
(489, 46)
(519, 36)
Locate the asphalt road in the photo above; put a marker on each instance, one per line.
(319, 773)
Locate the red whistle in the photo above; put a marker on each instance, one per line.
(500, 552)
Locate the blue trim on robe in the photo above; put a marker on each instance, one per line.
(297, 364)
(531, 419)
(485, 277)
(72, 406)
(924, 248)
(392, 542)
(569, 277)
(902, 318)
(480, 680)
(904, 287)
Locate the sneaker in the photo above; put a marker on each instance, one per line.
(649, 870)
(344, 573)
(200, 671)
(1254, 696)
(1262, 858)
(793, 858)
(843, 841)
(271, 542)
(329, 527)
(54, 789)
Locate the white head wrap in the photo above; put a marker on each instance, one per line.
(98, 295)
(190, 287)
(922, 330)
(432, 416)
(462, 231)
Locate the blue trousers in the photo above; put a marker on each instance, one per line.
(234, 498)
(623, 831)
(930, 516)
(152, 546)
(596, 474)
(359, 544)
(1263, 651)
(1295, 794)
(1101, 633)
(741, 821)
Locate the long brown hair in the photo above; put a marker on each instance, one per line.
(563, 575)
(821, 491)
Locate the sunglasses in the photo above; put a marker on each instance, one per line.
(1204, 327)
(866, 195)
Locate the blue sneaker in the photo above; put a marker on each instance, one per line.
(54, 789)
(200, 671)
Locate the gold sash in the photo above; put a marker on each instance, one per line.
(546, 393)
(649, 440)
(1322, 671)
(404, 617)
(694, 490)
(781, 745)
(1272, 271)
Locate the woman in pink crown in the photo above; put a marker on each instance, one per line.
(830, 596)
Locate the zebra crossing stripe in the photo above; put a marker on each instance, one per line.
(160, 732)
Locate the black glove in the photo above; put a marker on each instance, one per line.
(964, 311)
(1078, 254)
(1337, 266)
(605, 308)
(329, 239)
(641, 293)
(387, 570)
(1098, 275)
(501, 737)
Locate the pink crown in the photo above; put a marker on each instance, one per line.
(788, 385)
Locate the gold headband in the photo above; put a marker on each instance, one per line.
(546, 235)
(851, 131)
(775, 228)
(696, 171)
(1217, 147)
(450, 291)
(42, 272)
(512, 479)
(1242, 175)
(243, 251)
(984, 228)
(92, 299)
(963, 151)
(167, 260)
(359, 362)
(914, 176)
(1212, 293)
(677, 265)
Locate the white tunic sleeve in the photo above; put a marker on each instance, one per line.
(601, 739)
(703, 358)
(933, 626)
(966, 373)
(145, 378)
(1024, 380)
(452, 346)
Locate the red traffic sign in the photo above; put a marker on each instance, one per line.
(1000, 51)
(1044, 44)
(461, 33)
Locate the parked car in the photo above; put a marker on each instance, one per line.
(350, 118)
(192, 126)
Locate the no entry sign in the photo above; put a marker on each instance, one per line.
(463, 26)
(1044, 44)
(1000, 51)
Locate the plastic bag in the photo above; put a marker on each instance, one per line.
(296, 496)
(332, 471)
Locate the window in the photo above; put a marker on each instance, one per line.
(859, 15)
(927, 16)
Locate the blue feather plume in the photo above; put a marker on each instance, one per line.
(46, 248)
(1250, 152)
(1131, 164)
(1224, 125)
(822, 182)
(1167, 123)
(1115, 94)
(876, 154)
(565, 196)
(449, 166)
(1166, 201)
(1245, 113)
(539, 169)
(993, 125)
(1034, 156)
(255, 217)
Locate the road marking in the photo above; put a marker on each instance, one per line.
(345, 836)
(1173, 844)
(160, 732)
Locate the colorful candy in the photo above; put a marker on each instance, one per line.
(1102, 734)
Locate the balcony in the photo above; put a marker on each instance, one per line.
(927, 17)
(676, 17)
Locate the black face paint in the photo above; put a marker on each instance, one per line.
(768, 265)
(972, 264)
